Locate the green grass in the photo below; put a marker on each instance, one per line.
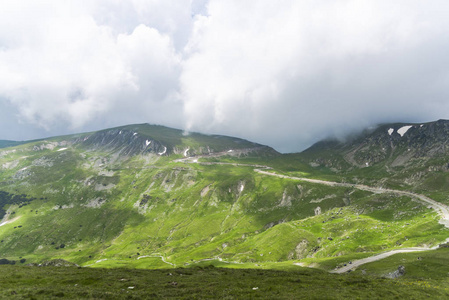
(433, 265)
(265, 222)
(18, 282)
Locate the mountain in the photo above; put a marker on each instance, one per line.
(409, 156)
(392, 145)
(145, 138)
(150, 196)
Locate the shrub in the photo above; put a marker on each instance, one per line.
(5, 261)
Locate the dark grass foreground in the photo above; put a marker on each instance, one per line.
(20, 282)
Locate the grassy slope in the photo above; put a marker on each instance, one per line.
(208, 282)
(192, 213)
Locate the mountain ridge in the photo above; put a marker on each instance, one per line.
(140, 138)
(393, 144)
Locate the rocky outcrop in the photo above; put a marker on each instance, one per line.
(124, 142)
(54, 263)
(398, 273)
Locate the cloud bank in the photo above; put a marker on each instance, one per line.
(283, 73)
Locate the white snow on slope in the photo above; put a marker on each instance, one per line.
(390, 131)
(186, 152)
(62, 149)
(404, 129)
(163, 152)
(147, 143)
(134, 133)
(8, 221)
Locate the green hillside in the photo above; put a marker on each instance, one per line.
(146, 196)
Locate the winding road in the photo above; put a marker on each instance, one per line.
(442, 209)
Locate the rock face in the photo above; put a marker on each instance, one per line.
(398, 273)
(144, 138)
(55, 263)
(124, 142)
(301, 249)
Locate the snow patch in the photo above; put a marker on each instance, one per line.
(230, 150)
(404, 129)
(163, 152)
(186, 152)
(147, 143)
(4, 223)
(62, 149)
(390, 131)
(120, 132)
(8, 221)
(421, 125)
(135, 133)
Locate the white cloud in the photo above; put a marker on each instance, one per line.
(291, 72)
(64, 66)
(284, 73)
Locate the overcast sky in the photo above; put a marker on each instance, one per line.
(278, 72)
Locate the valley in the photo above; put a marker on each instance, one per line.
(151, 197)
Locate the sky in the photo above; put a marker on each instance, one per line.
(284, 73)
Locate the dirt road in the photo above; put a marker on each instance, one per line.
(442, 209)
